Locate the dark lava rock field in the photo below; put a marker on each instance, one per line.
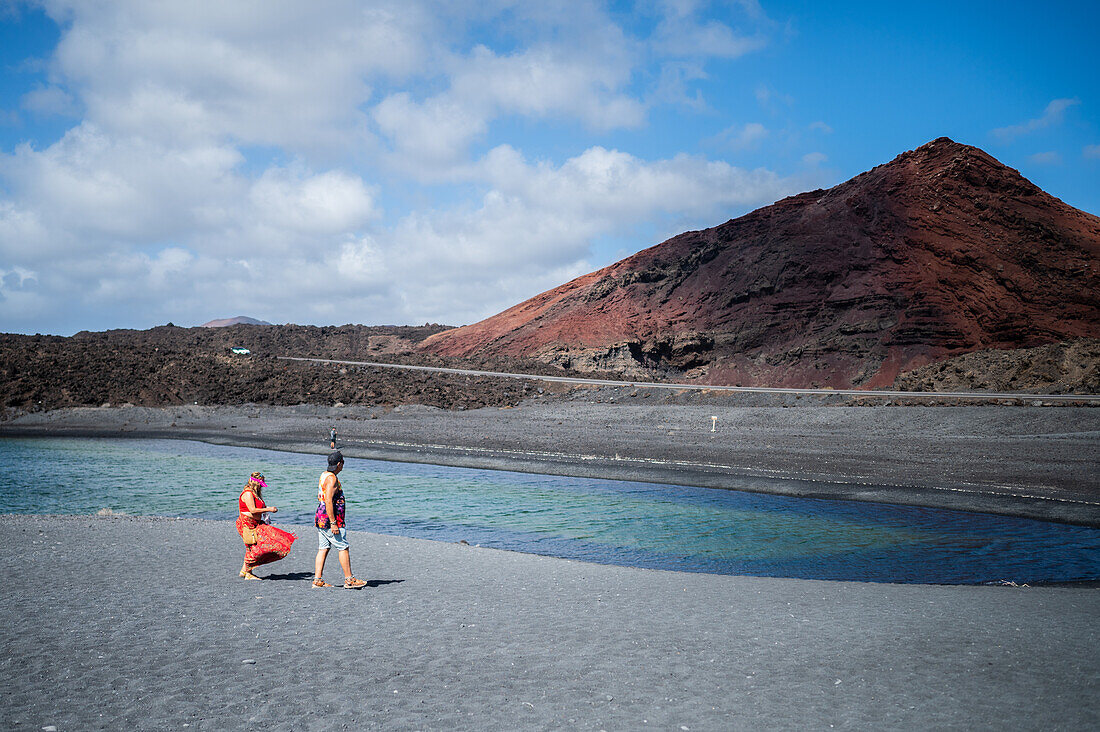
(168, 365)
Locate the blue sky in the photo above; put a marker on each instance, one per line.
(410, 162)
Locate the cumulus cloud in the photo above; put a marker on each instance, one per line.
(1046, 158)
(429, 137)
(1052, 116)
(273, 74)
(49, 100)
(544, 81)
(613, 185)
(683, 32)
(90, 185)
(673, 86)
(772, 100)
(741, 137)
(15, 277)
(266, 158)
(326, 203)
(19, 296)
(433, 135)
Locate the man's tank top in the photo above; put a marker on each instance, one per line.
(321, 518)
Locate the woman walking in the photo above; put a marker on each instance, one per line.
(263, 543)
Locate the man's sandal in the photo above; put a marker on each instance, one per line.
(320, 583)
(249, 576)
(350, 583)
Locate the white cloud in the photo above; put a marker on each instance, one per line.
(21, 231)
(327, 203)
(283, 247)
(1046, 158)
(672, 85)
(683, 32)
(260, 73)
(433, 136)
(1051, 116)
(90, 184)
(235, 157)
(49, 100)
(814, 158)
(821, 127)
(16, 277)
(610, 183)
(546, 81)
(772, 100)
(741, 137)
(21, 302)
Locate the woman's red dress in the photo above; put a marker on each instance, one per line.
(272, 543)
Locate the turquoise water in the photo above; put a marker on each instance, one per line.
(614, 522)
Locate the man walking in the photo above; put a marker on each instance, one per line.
(329, 520)
(332, 439)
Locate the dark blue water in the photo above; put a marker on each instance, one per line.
(614, 522)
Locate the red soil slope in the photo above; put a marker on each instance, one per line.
(939, 252)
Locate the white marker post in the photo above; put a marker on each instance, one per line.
(713, 424)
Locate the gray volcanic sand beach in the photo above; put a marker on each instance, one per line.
(141, 622)
(125, 622)
(120, 623)
(1039, 462)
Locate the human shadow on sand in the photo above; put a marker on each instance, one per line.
(379, 583)
(309, 575)
(290, 576)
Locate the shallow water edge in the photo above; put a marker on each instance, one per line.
(628, 523)
(1001, 500)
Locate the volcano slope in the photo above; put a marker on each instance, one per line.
(940, 252)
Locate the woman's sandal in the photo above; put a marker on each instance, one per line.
(249, 576)
(320, 583)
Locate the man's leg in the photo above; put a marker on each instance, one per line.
(345, 562)
(319, 563)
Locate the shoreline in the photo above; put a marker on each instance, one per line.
(957, 498)
(448, 636)
(306, 530)
(1025, 462)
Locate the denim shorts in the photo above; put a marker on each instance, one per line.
(327, 539)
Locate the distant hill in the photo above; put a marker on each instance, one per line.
(239, 320)
(941, 252)
(168, 365)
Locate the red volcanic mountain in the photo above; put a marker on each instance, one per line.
(939, 252)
